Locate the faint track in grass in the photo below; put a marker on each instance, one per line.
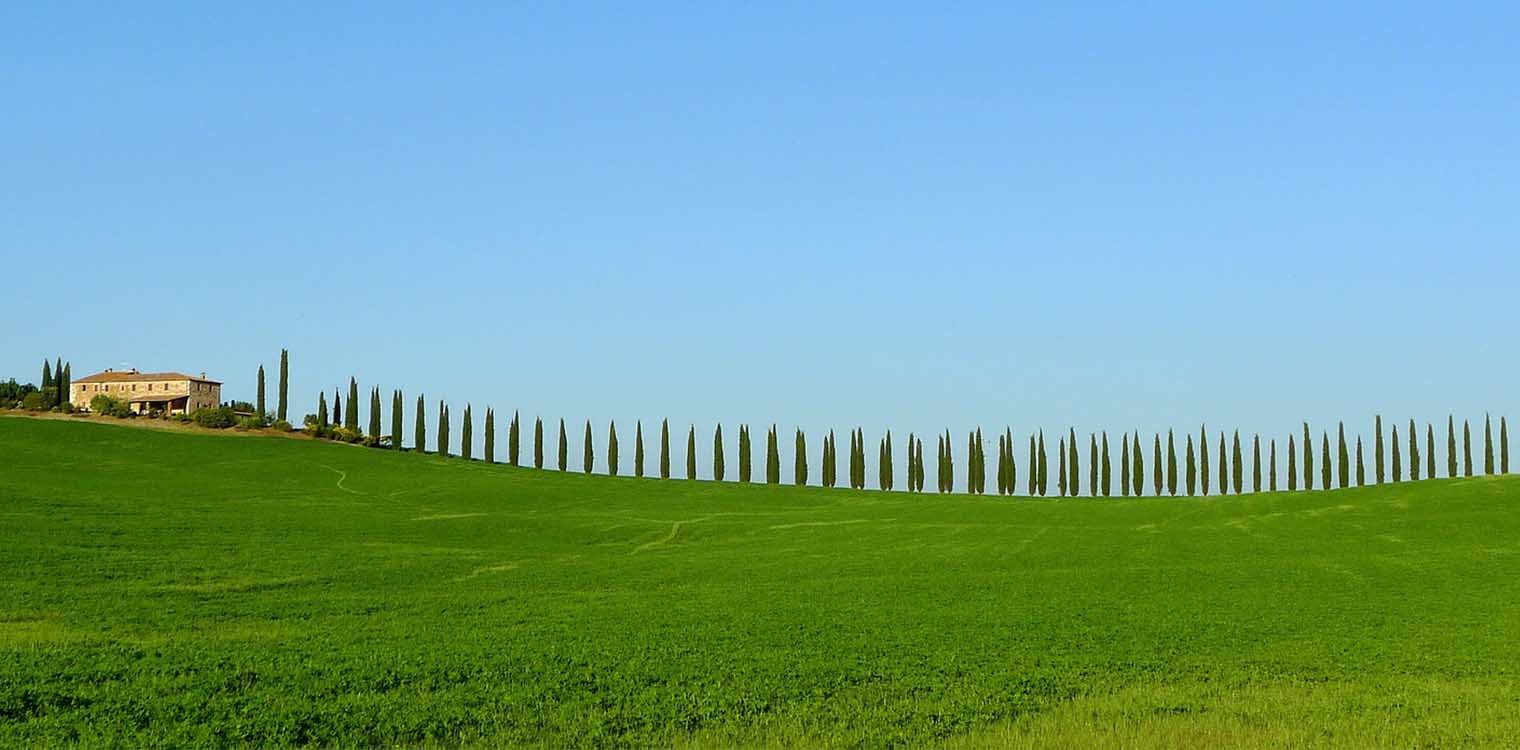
(343, 477)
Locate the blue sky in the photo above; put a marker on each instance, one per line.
(878, 214)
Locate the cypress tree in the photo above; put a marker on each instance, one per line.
(773, 458)
(1238, 474)
(60, 388)
(68, 384)
(881, 464)
(664, 449)
(514, 439)
(1430, 450)
(831, 461)
(1398, 468)
(949, 464)
(1171, 464)
(612, 449)
(1107, 468)
(638, 449)
(744, 454)
(1377, 449)
(564, 446)
(691, 452)
(466, 435)
(1061, 467)
(1256, 463)
(939, 465)
(1503, 446)
(718, 467)
(1324, 466)
(888, 473)
(337, 419)
(1451, 449)
(443, 430)
(1467, 462)
(538, 442)
(260, 405)
(1092, 465)
(1344, 458)
(1137, 473)
(352, 418)
(922, 474)
(1044, 466)
(1224, 468)
(1488, 446)
(588, 452)
(1308, 459)
(285, 386)
(1361, 470)
(1124, 483)
(1156, 470)
(1272, 470)
(490, 435)
(980, 464)
(1414, 453)
(1002, 467)
(1072, 485)
(322, 411)
(374, 413)
(1203, 459)
(1292, 465)
(1034, 469)
(419, 427)
(1191, 467)
(799, 460)
(49, 389)
(397, 406)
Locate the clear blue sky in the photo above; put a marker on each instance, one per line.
(876, 214)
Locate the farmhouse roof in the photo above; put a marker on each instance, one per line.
(133, 376)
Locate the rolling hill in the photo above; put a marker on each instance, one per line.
(178, 589)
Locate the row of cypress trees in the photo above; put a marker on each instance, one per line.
(1341, 462)
(281, 412)
(56, 380)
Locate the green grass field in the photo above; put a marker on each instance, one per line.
(172, 589)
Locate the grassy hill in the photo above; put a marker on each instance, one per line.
(163, 588)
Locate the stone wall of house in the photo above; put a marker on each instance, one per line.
(200, 395)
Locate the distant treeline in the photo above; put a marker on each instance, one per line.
(1236, 465)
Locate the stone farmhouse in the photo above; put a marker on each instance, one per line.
(144, 392)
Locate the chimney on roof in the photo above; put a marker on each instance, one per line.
(108, 369)
(134, 371)
(203, 374)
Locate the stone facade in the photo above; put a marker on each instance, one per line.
(145, 392)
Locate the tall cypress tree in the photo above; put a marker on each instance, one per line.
(1044, 467)
(1292, 465)
(1324, 466)
(1092, 465)
(1467, 462)
(49, 388)
(1414, 453)
(1137, 473)
(260, 405)
(949, 464)
(1361, 470)
(374, 413)
(1488, 446)
(284, 386)
(588, 451)
(397, 406)
(1171, 464)
(691, 452)
(1124, 464)
(638, 449)
(1072, 484)
(419, 427)
(1256, 463)
(744, 454)
(1377, 449)
(799, 460)
(1398, 468)
(466, 435)
(538, 442)
(68, 384)
(1156, 470)
(514, 439)
(1224, 468)
(351, 420)
(830, 461)
(1203, 459)
(718, 467)
(664, 449)
(1272, 469)
(980, 465)
(1002, 467)
(1308, 459)
(1430, 450)
(490, 435)
(1191, 467)
(1061, 467)
(773, 458)
(443, 429)
(337, 420)
(564, 446)
(612, 449)
(1344, 458)
(1107, 468)
(1503, 446)
(321, 412)
(887, 473)
(1451, 449)
(1238, 473)
(1034, 469)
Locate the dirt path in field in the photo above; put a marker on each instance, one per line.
(342, 477)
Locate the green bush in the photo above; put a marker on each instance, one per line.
(345, 435)
(107, 406)
(218, 418)
(32, 402)
(281, 425)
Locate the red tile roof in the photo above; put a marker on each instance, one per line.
(132, 376)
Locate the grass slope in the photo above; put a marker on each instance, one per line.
(177, 589)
